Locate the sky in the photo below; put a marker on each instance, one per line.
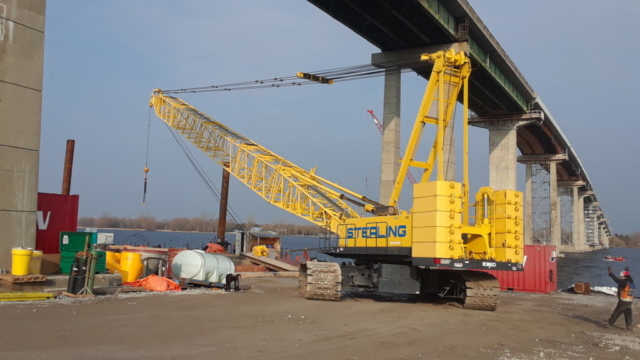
(103, 59)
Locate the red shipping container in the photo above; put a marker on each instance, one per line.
(56, 213)
(539, 274)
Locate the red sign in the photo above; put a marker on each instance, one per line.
(56, 213)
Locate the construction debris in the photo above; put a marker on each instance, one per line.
(269, 263)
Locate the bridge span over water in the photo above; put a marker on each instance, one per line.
(561, 206)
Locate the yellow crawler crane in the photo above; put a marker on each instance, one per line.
(434, 249)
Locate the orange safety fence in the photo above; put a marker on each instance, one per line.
(155, 283)
(305, 256)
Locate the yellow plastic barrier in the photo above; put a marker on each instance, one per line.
(113, 261)
(260, 250)
(20, 260)
(36, 262)
(131, 266)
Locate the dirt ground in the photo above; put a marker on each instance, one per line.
(272, 321)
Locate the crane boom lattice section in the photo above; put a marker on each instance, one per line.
(275, 179)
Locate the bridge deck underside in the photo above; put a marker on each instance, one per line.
(406, 24)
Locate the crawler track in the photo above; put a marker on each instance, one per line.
(482, 291)
(320, 281)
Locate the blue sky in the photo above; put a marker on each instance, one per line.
(102, 60)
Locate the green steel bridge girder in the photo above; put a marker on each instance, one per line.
(449, 23)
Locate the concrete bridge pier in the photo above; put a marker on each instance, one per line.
(503, 146)
(21, 67)
(577, 243)
(390, 164)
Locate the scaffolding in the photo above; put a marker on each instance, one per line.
(592, 235)
(541, 204)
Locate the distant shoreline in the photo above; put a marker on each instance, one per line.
(164, 230)
(190, 232)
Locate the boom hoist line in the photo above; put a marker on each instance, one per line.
(412, 180)
(274, 178)
(330, 76)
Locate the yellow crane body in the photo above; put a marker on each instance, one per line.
(434, 248)
(434, 229)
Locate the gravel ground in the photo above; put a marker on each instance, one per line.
(272, 321)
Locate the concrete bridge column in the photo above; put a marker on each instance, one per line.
(503, 149)
(578, 220)
(596, 233)
(528, 205)
(21, 67)
(577, 215)
(555, 224)
(503, 164)
(390, 164)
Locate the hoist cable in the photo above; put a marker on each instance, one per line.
(146, 162)
(203, 176)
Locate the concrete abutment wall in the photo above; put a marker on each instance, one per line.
(21, 68)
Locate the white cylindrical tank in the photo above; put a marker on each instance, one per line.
(199, 265)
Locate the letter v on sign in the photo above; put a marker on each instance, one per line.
(42, 222)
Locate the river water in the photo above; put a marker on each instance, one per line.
(192, 240)
(586, 267)
(590, 267)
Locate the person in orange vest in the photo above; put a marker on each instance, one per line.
(625, 298)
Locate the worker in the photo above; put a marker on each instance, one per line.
(225, 244)
(625, 298)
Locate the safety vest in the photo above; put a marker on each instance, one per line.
(626, 293)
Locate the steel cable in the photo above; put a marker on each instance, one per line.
(203, 176)
(347, 73)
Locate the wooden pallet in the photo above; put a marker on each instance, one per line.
(269, 263)
(22, 278)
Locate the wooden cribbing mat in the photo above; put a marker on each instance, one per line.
(22, 278)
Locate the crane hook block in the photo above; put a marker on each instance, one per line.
(320, 79)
